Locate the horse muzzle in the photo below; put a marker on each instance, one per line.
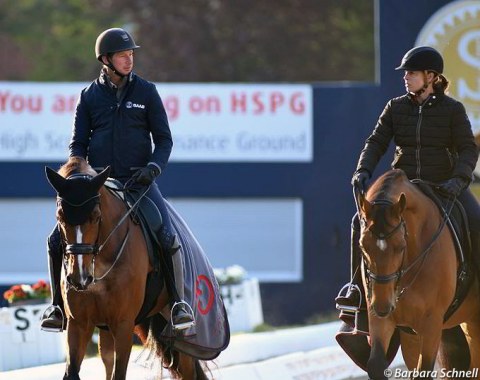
(382, 311)
(79, 286)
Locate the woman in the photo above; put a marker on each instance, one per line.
(434, 142)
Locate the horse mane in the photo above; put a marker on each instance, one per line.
(76, 165)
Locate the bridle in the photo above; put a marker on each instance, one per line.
(402, 270)
(96, 248)
(397, 275)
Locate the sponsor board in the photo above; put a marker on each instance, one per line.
(209, 122)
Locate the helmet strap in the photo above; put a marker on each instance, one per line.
(425, 84)
(112, 67)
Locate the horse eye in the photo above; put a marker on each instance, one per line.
(95, 217)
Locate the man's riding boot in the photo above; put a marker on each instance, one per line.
(351, 299)
(53, 317)
(181, 313)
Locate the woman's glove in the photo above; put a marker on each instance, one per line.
(360, 178)
(454, 186)
(146, 175)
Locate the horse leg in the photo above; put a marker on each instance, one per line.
(381, 332)
(107, 351)
(454, 353)
(190, 368)
(410, 349)
(472, 335)
(431, 337)
(78, 337)
(123, 340)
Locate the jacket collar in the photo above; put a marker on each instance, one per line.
(429, 102)
(104, 78)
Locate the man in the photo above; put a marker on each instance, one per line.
(116, 119)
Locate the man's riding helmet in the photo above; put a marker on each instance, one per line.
(422, 58)
(112, 41)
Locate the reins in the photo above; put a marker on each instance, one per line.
(124, 243)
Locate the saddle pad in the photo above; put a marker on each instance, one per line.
(211, 333)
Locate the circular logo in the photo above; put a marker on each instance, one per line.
(128, 104)
(205, 293)
(454, 30)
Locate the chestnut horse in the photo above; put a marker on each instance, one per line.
(410, 276)
(104, 275)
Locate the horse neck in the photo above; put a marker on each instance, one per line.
(422, 220)
(113, 210)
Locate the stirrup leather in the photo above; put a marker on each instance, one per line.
(182, 326)
(52, 309)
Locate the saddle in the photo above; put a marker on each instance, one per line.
(147, 215)
(355, 342)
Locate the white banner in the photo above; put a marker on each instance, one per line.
(209, 122)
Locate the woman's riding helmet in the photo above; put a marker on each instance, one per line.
(422, 58)
(113, 40)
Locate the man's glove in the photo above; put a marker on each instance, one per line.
(454, 186)
(146, 175)
(360, 178)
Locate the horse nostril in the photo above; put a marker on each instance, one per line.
(88, 281)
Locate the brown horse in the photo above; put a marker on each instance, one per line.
(410, 276)
(104, 274)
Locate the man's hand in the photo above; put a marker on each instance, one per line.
(146, 175)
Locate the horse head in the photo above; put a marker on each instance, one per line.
(383, 241)
(79, 217)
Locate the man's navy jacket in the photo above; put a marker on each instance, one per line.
(119, 133)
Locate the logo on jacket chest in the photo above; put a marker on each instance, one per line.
(134, 105)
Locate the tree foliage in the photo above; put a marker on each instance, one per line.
(199, 40)
(51, 39)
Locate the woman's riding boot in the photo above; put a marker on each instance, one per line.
(181, 312)
(53, 317)
(351, 299)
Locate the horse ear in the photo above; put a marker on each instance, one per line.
(401, 203)
(55, 179)
(363, 204)
(100, 178)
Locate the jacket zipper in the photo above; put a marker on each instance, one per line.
(419, 145)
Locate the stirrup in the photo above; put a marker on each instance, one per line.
(343, 292)
(185, 325)
(353, 311)
(52, 309)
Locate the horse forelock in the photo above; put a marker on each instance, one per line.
(384, 193)
(76, 165)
